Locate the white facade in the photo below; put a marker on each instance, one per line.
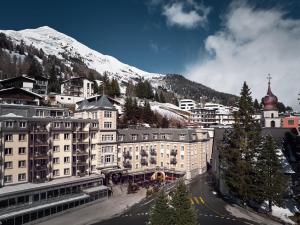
(67, 99)
(78, 86)
(187, 104)
(271, 118)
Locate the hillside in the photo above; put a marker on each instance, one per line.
(64, 56)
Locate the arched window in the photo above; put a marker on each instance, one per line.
(272, 123)
(272, 115)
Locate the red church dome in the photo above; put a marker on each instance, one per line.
(270, 100)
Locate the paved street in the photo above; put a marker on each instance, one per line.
(210, 209)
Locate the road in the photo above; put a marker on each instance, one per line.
(210, 209)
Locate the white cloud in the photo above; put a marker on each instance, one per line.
(252, 43)
(187, 15)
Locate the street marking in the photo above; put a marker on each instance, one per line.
(196, 200)
(192, 202)
(201, 199)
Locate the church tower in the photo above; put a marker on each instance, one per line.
(270, 113)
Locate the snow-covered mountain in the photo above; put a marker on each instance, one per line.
(56, 43)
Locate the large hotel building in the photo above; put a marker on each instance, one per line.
(51, 161)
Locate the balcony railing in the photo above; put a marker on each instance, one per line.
(153, 152)
(173, 161)
(144, 162)
(127, 165)
(173, 152)
(144, 153)
(152, 160)
(127, 155)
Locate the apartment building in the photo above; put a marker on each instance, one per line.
(187, 104)
(183, 150)
(78, 86)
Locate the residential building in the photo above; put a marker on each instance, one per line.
(78, 86)
(187, 104)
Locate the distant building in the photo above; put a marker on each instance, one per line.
(270, 112)
(19, 96)
(187, 104)
(203, 117)
(37, 85)
(290, 122)
(78, 87)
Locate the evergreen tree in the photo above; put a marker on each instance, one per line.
(156, 97)
(271, 174)
(115, 89)
(96, 88)
(128, 110)
(256, 106)
(161, 213)
(239, 149)
(35, 68)
(164, 122)
(184, 212)
(162, 97)
(148, 115)
(130, 89)
(54, 84)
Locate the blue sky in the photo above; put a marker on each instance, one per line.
(219, 43)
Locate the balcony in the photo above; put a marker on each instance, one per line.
(40, 167)
(144, 162)
(144, 153)
(127, 155)
(173, 152)
(80, 152)
(173, 161)
(152, 160)
(39, 142)
(153, 152)
(127, 165)
(40, 155)
(81, 163)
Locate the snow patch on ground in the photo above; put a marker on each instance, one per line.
(239, 212)
(283, 214)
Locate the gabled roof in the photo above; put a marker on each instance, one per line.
(101, 102)
(23, 77)
(15, 90)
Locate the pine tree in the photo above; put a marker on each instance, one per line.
(164, 122)
(127, 110)
(161, 213)
(156, 97)
(148, 115)
(162, 97)
(256, 106)
(239, 148)
(54, 84)
(96, 88)
(130, 89)
(184, 212)
(35, 68)
(271, 174)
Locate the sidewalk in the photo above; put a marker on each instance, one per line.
(98, 211)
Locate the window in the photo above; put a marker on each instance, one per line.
(181, 137)
(93, 135)
(290, 122)
(21, 176)
(67, 124)
(155, 136)
(107, 114)
(22, 124)
(162, 164)
(9, 124)
(134, 137)
(55, 160)
(107, 159)
(56, 124)
(67, 171)
(56, 136)
(55, 173)
(8, 179)
(182, 157)
(66, 159)
(94, 115)
(8, 137)
(66, 136)
(8, 165)
(66, 148)
(22, 151)
(161, 155)
(8, 151)
(22, 137)
(121, 137)
(93, 146)
(137, 157)
(22, 163)
(107, 124)
(94, 125)
(146, 136)
(163, 136)
(182, 148)
(136, 166)
(93, 167)
(56, 148)
(107, 137)
(93, 157)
